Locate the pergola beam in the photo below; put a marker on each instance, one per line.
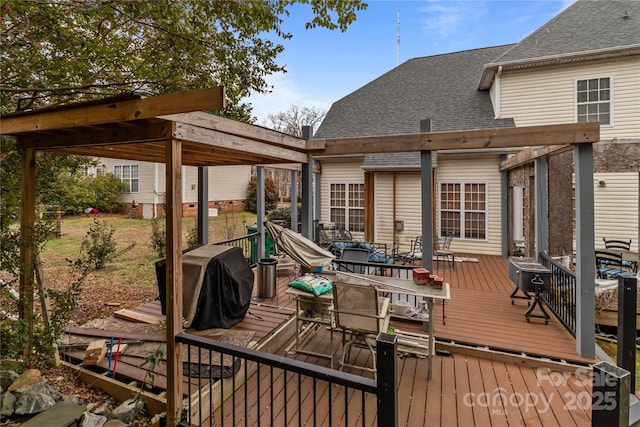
(235, 143)
(234, 127)
(530, 154)
(573, 133)
(119, 111)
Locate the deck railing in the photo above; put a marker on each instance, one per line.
(259, 388)
(248, 244)
(562, 297)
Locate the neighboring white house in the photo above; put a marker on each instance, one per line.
(145, 187)
(583, 65)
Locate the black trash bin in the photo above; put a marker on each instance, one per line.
(267, 277)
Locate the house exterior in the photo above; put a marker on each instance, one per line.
(583, 65)
(144, 193)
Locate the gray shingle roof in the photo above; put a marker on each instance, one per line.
(442, 88)
(586, 25)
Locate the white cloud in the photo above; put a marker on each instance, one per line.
(287, 92)
(448, 18)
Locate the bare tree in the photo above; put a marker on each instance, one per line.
(291, 122)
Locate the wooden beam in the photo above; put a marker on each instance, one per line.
(174, 279)
(234, 127)
(530, 154)
(235, 143)
(154, 404)
(137, 109)
(572, 133)
(142, 132)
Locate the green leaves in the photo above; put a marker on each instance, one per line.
(58, 51)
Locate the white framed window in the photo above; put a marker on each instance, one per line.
(463, 209)
(130, 175)
(593, 100)
(346, 206)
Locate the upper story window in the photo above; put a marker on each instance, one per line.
(130, 175)
(347, 206)
(593, 100)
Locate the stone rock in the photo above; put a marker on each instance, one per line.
(128, 410)
(92, 420)
(114, 423)
(7, 377)
(28, 377)
(33, 403)
(8, 404)
(101, 408)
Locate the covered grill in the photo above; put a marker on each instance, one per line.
(530, 276)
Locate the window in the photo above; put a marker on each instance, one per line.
(129, 174)
(463, 210)
(347, 206)
(593, 100)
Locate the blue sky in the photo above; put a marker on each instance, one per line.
(324, 66)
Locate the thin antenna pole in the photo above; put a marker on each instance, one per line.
(398, 38)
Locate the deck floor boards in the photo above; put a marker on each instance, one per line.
(464, 390)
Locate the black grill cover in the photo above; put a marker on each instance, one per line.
(226, 289)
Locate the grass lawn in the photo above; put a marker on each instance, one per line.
(131, 279)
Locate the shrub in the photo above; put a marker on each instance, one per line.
(282, 214)
(107, 191)
(99, 246)
(159, 237)
(271, 195)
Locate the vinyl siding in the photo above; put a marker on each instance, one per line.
(616, 207)
(408, 208)
(338, 172)
(225, 182)
(547, 96)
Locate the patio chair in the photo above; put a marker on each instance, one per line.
(361, 315)
(608, 264)
(356, 255)
(618, 246)
(414, 254)
(442, 249)
(624, 245)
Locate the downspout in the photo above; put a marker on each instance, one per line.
(498, 94)
(394, 207)
(155, 190)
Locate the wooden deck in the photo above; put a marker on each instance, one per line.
(497, 373)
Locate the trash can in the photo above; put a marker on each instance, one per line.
(267, 277)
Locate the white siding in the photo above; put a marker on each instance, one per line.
(225, 182)
(616, 207)
(546, 96)
(408, 208)
(338, 172)
(483, 169)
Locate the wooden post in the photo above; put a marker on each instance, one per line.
(174, 279)
(27, 248)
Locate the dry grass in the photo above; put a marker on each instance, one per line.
(130, 280)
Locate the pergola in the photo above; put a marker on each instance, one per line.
(172, 129)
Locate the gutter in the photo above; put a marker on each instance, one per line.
(490, 70)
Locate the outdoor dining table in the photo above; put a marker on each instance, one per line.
(407, 287)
